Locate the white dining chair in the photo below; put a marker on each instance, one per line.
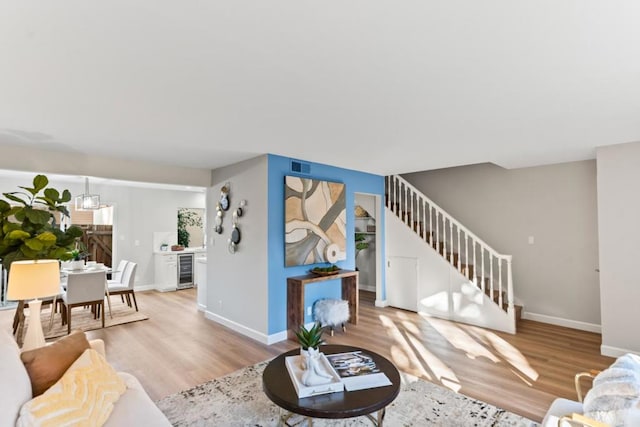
(116, 277)
(83, 289)
(125, 288)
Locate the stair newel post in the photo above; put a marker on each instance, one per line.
(510, 308)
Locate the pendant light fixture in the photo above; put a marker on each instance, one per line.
(87, 201)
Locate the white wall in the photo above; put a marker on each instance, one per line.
(555, 278)
(138, 212)
(619, 230)
(237, 283)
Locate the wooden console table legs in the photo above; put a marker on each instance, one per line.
(295, 297)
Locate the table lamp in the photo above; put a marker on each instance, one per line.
(30, 280)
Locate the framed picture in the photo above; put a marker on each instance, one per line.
(315, 221)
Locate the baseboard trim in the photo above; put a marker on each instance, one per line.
(144, 288)
(202, 307)
(381, 303)
(567, 323)
(367, 288)
(607, 350)
(246, 331)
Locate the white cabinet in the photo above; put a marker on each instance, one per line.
(201, 274)
(166, 271)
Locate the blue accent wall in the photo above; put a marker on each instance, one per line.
(356, 182)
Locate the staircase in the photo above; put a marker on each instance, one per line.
(480, 266)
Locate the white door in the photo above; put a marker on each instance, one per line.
(402, 282)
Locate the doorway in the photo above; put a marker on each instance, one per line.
(97, 227)
(367, 237)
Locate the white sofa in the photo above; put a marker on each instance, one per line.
(133, 408)
(613, 401)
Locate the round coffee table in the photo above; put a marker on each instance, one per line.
(278, 387)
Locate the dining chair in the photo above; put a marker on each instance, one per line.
(125, 288)
(116, 277)
(83, 289)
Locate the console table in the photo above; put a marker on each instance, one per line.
(295, 296)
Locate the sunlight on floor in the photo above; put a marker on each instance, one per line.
(402, 353)
(476, 341)
(512, 355)
(460, 339)
(412, 356)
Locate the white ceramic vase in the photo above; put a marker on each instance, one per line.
(77, 265)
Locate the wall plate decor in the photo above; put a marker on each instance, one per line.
(218, 219)
(224, 197)
(315, 219)
(234, 238)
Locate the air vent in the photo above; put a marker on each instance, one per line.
(300, 167)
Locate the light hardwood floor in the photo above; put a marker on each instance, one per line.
(178, 348)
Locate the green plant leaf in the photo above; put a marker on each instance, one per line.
(28, 253)
(18, 235)
(66, 196)
(52, 194)
(47, 238)
(33, 191)
(4, 206)
(34, 244)
(39, 182)
(11, 196)
(37, 216)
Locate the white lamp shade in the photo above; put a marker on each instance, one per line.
(33, 279)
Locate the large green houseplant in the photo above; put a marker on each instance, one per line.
(28, 228)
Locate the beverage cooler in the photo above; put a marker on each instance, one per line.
(185, 270)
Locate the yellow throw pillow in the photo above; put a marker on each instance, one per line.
(84, 396)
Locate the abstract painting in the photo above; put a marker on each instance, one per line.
(315, 221)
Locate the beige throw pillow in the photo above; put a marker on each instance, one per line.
(47, 364)
(84, 396)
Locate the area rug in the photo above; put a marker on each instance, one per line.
(237, 400)
(82, 318)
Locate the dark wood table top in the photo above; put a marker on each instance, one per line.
(278, 387)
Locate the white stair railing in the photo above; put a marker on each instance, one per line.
(452, 240)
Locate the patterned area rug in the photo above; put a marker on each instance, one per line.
(82, 318)
(237, 400)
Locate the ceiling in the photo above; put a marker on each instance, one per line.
(377, 86)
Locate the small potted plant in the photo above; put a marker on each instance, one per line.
(76, 256)
(310, 338)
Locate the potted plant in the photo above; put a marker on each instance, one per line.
(77, 256)
(310, 340)
(28, 228)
